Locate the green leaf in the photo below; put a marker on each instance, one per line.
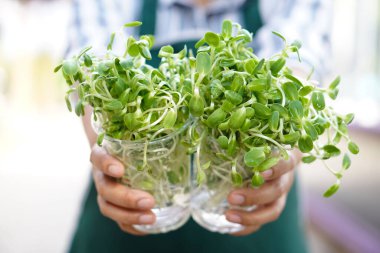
(170, 119)
(277, 66)
(332, 190)
(70, 67)
(144, 51)
(291, 138)
(305, 144)
(68, 104)
(216, 118)
(257, 180)
(279, 35)
(110, 43)
(227, 29)
(331, 150)
(236, 178)
(227, 106)
(99, 139)
(79, 109)
(282, 110)
(238, 118)
(250, 112)
(294, 79)
(234, 97)
(310, 130)
(199, 43)
(223, 142)
(290, 90)
(131, 122)
(333, 93)
(113, 105)
(349, 118)
(87, 60)
(254, 156)
(346, 162)
(305, 90)
(237, 83)
(203, 63)
(133, 50)
(149, 39)
(126, 64)
(258, 85)
(196, 106)
(56, 69)
(212, 39)
(249, 66)
(133, 24)
(259, 66)
(353, 147)
(261, 111)
(274, 121)
(334, 84)
(308, 159)
(166, 51)
(318, 101)
(296, 109)
(268, 163)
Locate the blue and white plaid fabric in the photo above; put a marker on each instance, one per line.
(306, 20)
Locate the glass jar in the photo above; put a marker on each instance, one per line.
(209, 200)
(162, 168)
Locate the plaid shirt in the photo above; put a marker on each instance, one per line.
(306, 20)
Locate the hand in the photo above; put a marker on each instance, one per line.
(270, 198)
(123, 205)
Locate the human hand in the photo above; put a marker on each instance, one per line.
(270, 198)
(124, 205)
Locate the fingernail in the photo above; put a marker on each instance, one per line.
(234, 218)
(267, 173)
(237, 199)
(115, 170)
(146, 218)
(145, 203)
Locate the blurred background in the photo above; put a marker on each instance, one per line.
(44, 172)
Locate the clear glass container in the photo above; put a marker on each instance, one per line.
(162, 168)
(209, 201)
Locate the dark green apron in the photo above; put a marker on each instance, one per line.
(98, 234)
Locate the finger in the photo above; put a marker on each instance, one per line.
(283, 166)
(246, 231)
(106, 163)
(125, 216)
(263, 215)
(130, 229)
(120, 195)
(267, 193)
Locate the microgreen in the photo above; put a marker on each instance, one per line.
(137, 103)
(257, 110)
(250, 112)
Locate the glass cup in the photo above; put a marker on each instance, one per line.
(162, 168)
(209, 200)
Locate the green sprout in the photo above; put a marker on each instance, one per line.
(252, 107)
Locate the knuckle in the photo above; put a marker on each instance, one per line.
(128, 197)
(280, 187)
(250, 219)
(101, 188)
(102, 206)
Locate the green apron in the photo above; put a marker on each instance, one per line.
(98, 234)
